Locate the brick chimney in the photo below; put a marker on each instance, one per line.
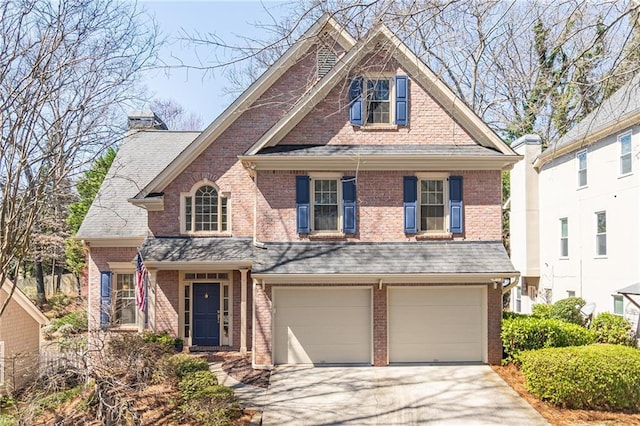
(145, 120)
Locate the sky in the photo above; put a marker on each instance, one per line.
(203, 93)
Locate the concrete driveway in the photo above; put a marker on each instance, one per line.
(395, 395)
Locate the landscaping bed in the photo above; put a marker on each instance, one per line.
(556, 415)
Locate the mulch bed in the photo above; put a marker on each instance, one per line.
(239, 367)
(557, 415)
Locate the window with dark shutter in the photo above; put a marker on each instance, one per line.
(105, 298)
(456, 208)
(356, 105)
(349, 205)
(410, 204)
(303, 214)
(402, 100)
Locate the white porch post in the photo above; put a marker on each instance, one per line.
(243, 310)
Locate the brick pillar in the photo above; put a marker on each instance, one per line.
(262, 352)
(494, 324)
(379, 326)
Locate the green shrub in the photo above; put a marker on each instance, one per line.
(176, 367)
(194, 382)
(610, 328)
(162, 338)
(568, 310)
(213, 405)
(73, 323)
(509, 315)
(527, 333)
(599, 377)
(541, 310)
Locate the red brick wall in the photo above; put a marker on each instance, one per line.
(98, 262)
(494, 325)
(237, 288)
(167, 289)
(328, 123)
(380, 356)
(380, 212)
(219, 162)
(262, 331)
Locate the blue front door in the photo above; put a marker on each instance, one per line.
(206, 315)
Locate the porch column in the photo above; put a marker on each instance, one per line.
(243, 310)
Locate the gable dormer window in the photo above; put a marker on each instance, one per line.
(379, 101)
(204, 210)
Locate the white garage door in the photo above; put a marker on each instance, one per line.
(436, 324)
(322, 325)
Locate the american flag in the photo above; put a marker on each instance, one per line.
(141, 277)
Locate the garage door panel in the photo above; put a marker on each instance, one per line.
(315, 326)
(435, 297)
(331, 315)
(435, 324)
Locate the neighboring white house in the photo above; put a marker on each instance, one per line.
(575, 210)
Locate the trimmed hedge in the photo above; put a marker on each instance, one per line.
(610, 328)
(566, 309)
(528, 333)
(509, 315)
(598, 377)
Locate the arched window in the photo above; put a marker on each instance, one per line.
(205, 211)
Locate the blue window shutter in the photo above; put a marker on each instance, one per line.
(456, 210)
(410, 205)
(402, 100)
(356, 116)
(303, 207)
(349, 217)
(105, 298)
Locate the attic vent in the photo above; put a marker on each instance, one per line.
(327, 58)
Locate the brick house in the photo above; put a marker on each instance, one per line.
(19, 339)
(346, 208)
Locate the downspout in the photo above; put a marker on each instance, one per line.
(256, 243)
(514, 282)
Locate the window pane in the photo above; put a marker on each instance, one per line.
(377, 101)
(618, 305)
(325, 205)
(564, 247)
(432, 213)
(602, 222)
(125, 299)
(206, 209)
(582, 169)
(224, 214)
(625, 144)
(601, 245)
(625, 164)
(564, 225)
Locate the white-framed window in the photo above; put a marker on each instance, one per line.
(564, 237)
(325, 200)
(601, 233)
(581, 156)
(433, 197)
(618, 305)
(626, 157)
(571, 293)
(204, 210)
(125, 298)
(518, 305)
(378, 108)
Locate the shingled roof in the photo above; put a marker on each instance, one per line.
(383, 258)
(619, 111)
(141, 156)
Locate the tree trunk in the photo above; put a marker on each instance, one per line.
(78, 285)
(41, 297)
(58, 270)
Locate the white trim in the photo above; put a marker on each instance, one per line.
(113, 241)
(122, 266)
(444, 177)
(586, 167)
(24, 302)
(620, 154)
(191, 193)
(435, 278)
(331, 177)
(390, 77)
